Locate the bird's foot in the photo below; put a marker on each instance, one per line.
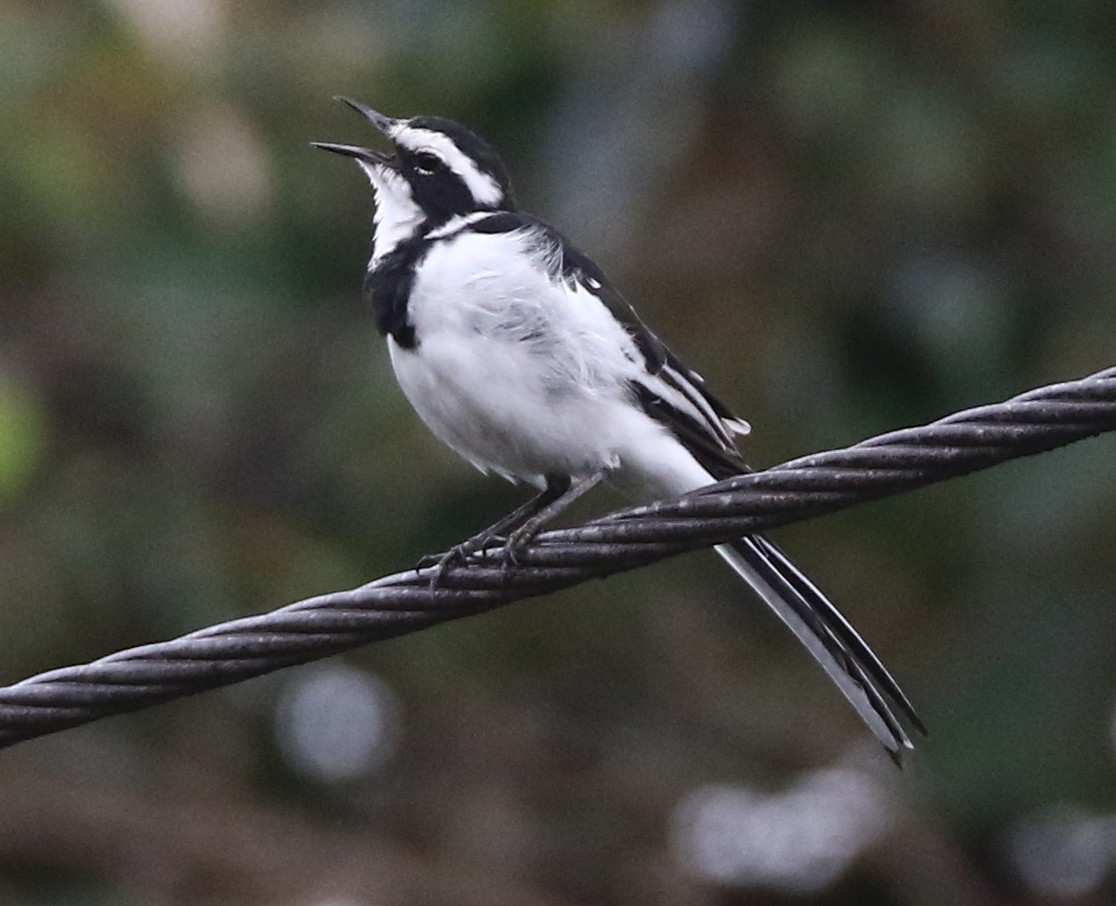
(457, 555)
(519, 540)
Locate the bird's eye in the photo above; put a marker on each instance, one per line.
(427, 161)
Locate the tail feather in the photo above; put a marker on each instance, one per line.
(829, 637)
(842, 629)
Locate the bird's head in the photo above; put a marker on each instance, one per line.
(436, 169)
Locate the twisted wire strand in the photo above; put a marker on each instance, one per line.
(891, 463)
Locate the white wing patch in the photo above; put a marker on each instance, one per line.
(677, 387)
(734, 426)
(527, 372)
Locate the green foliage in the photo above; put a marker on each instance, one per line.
(849, 217)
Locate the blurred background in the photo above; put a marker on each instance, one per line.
(850, 216)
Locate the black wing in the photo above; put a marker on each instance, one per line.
(668, 391)
(676, 397)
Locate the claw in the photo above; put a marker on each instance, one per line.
(457, 555)
(519, 540)
(454, 555)
(523, 523)
(428, 560)
(511, 553)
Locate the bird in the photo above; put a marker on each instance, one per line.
(520, 355)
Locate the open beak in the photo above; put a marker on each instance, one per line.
(367, 155)
(383, 124)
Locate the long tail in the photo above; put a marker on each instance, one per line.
(829, 637)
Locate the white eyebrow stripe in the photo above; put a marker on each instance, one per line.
(484, 189)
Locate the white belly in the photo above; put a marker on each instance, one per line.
(527, 376)
(525, 432)
(472, 395)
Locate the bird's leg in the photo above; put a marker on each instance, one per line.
(533, 524)
(556, 486)
(521, 524)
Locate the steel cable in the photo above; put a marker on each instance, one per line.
(892, 463)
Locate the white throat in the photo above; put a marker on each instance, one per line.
(397, 217)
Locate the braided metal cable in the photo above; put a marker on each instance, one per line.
(892, 463)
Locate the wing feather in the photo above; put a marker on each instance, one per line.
(676, 397)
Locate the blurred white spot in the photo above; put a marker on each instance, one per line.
(954, 311)
(223, 167)
(187, 32)
(946, 301)
(347, 36)
(336, 723)
(689, 36)
(1062, 852)
(799, 841)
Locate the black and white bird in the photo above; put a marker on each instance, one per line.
(516, 352)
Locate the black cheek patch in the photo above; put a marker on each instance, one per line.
(441, 196)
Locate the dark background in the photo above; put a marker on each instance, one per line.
(850, 217)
